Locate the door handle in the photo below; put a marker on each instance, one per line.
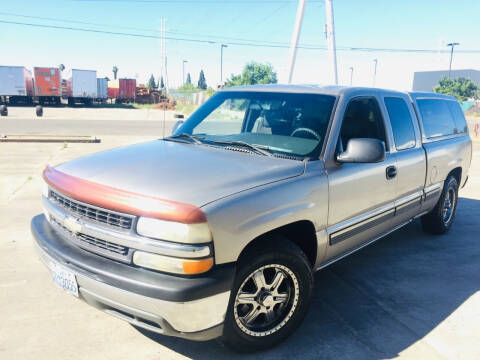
(391, 172)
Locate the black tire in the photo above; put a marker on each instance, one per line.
(438, 221)
(39, 110)
(3, 110)
(272, 256)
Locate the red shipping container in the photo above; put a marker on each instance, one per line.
(47, 81)
(112, 93)
(127, 89)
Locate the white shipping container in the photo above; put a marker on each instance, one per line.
(102, 90)
(15, 81)
(83, 84)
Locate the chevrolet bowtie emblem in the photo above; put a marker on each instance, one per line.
(72, 224)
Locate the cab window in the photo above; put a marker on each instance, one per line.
(362, 119)
(401, 120)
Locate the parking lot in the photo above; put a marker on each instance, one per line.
(410, 295)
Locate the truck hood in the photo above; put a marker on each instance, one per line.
(187, 173)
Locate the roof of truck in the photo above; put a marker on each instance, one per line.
(334, 90)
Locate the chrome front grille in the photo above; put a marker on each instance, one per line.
(93, 244)
(90, 212)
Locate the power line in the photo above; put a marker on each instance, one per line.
(196, 1)
(222, 38)
(244, 43)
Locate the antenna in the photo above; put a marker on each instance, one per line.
(163, 44)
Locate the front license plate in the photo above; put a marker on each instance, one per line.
(64, 278)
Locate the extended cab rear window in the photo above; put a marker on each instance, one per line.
(458, 116)
(438, 117)
(401, 122)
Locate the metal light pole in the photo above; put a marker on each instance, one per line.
(452, 45)
(221, 62)
(295, 37)
(351, 75)
(183, 71)
(330, 33)
(375, 71)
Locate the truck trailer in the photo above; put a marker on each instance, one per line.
(127, 90)
(16, 85)
(82, 86)
(48, 87)
(102, 90)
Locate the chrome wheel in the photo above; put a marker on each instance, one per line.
(266, 300)
(448, 205)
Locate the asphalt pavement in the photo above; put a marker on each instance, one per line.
(94, 127)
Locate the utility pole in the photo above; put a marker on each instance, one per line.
(221, 63)
(183, 71)
(375, 71)
(163, 44)
(330, 34)
(295, 36)
(351, 75)
(452, 45)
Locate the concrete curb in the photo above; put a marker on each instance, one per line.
(49, 139)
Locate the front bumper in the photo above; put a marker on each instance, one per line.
(192, 308)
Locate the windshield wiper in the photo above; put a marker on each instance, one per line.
(193, 138)
(259, 149)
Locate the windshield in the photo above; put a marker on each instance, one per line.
(282, 123)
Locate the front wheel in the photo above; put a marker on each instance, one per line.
(270, 297)
(440, 219)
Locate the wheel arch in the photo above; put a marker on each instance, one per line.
(457, 173)
(301, 233)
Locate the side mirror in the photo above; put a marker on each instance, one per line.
(363, 150)
(177, 125)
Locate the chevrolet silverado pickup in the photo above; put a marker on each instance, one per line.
(216, 230)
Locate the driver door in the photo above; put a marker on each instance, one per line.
(361, 195)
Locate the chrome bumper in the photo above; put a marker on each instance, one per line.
(199, 319)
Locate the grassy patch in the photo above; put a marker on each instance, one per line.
(185, 109)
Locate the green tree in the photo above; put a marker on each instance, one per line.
(189, 80)
(462, 88)
(161, 84)
(254, 73)
(202, 83)
(151, 83)
(115, 71)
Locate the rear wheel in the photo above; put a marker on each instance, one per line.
(270, 297)
(440, 219)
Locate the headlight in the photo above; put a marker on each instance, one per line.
(174, 231)
(171, 264)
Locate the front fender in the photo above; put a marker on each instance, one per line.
(238, 219)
